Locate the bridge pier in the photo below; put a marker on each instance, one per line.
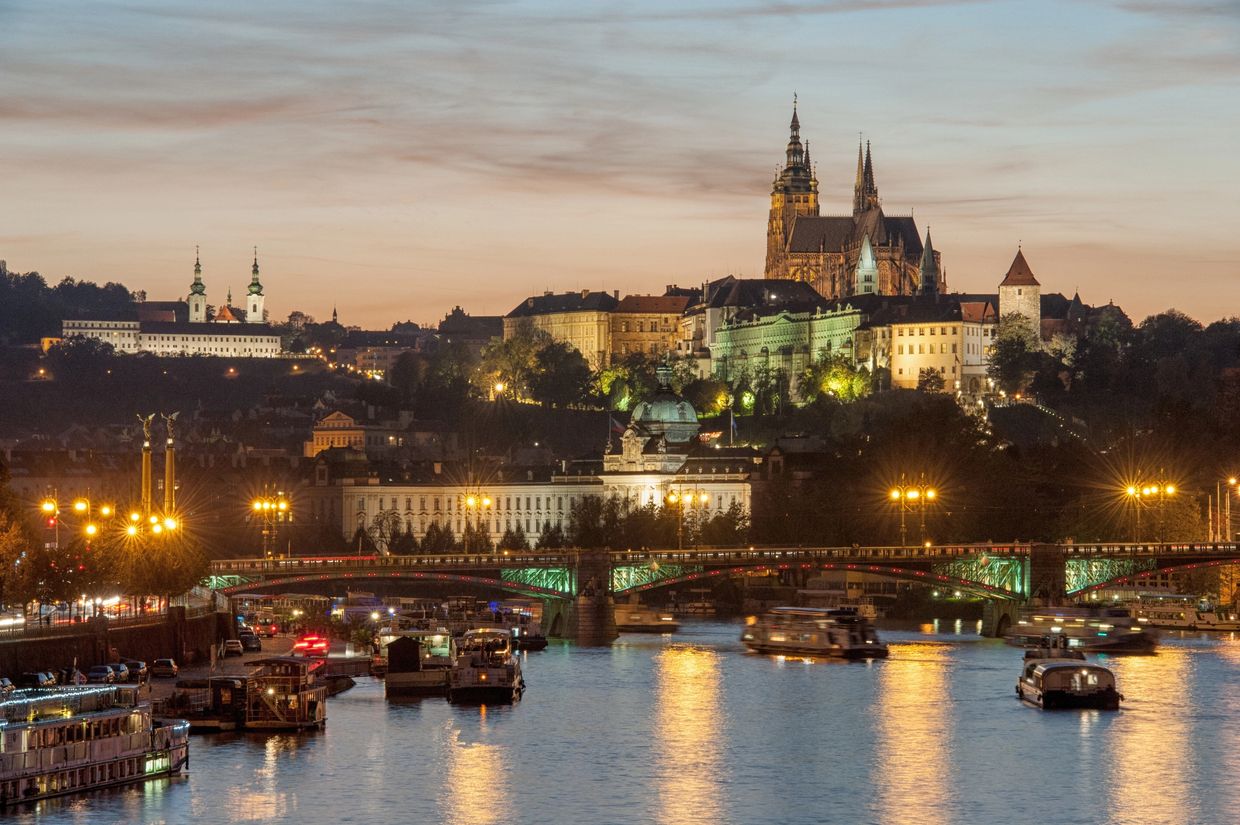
(998, 616)
(589, 618)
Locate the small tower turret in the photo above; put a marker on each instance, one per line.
(1020, 293)
(865, 191)
(928, 271)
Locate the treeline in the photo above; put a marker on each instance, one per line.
(31, 310)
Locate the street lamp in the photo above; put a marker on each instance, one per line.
(271, 511)
(477, 504)
(681, 499)
(907, 496)
(1143, 496)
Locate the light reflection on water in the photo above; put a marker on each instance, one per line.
(688, 734)
(690, 728)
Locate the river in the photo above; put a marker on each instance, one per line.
(690, 728)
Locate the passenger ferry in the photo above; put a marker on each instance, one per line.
(57, 741)
(485, 670)
(637, 618)
(1056, 676)
(417, 662)
(814, 631)
(1099, 629)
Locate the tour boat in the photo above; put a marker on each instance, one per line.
(1211, 620)
(1056, 676)
(814, 631)
(1096, 629)
(637, 618)
(417, 662)
(485, 670)
(56, 741)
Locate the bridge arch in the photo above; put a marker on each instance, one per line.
(520, 588)
(926, 577)
(1119, 581)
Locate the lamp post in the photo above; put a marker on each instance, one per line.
(907, 496)
(477, 504)
(680, 499)
(1145, 496)
(271, 511)
(1222, 515)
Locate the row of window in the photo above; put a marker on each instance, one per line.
(921, 349)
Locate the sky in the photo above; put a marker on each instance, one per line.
(395, 159)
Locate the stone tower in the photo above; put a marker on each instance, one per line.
(865, 190)
(1020, 292)
(928, 271)
(254, 300)
(794, 192)
(197, 294)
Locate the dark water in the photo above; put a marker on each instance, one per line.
(690, 728)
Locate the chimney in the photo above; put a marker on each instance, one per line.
(616, 294)
(584, 293)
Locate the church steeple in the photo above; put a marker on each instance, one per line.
(794, 193)
(796, 155)
(254, 300)
(928, 270)
(865, 192)
(255, 287)
(197, 300)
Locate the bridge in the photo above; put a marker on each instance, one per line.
(570, 582)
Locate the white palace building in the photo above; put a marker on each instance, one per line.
(184, 328)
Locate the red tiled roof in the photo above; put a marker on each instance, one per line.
(666, 304)
(1019, 274)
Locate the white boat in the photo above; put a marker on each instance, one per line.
(56, 741)
(417, 662)
(638, 618)
(813, 631)
(485, 670)
(1056, 676)
(1169, 616)
(1212, 620)
(1100, 629)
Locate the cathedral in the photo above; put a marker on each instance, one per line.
(867, 252)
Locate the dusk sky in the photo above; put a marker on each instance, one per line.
(398, 158)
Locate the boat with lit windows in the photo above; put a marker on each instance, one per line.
(638, 618)
(518, 620)
(1111, 629)
(1056, 676)
(839, 633)
(485, 670)
(286, 693)
(56, 741)
(417, 661)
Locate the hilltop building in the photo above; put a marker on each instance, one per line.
(184, 328)
(865, 252)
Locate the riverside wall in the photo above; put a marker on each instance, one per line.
(177, 635)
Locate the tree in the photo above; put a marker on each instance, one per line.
(1012, 356)
(384, 529)
(727, 529)
(551, 537)
(512, 361)
(930, 380)
(13, 544)
(514, 539)
(833, 376)
(561, 376)
(362, 543)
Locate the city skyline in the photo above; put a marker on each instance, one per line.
(398, 161)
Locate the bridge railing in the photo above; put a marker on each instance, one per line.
(778, 555)
(313, 564)
(1192, 548)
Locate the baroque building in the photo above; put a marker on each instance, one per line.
(865, 252)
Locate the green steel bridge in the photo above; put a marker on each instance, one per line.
(999, 572)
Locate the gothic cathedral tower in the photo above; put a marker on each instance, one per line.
(794, 192)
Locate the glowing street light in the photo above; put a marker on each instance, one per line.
(905, 497)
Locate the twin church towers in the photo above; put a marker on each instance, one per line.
(867, 252)
(252, 312)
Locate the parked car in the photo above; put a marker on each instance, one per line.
(101, 674)
(6, 686)
(251, 642)
(70, 676)
(121, 671)
(37, 679)
(164, 667)
(232, 647)
(137, 670)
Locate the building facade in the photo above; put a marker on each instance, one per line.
(580, 319)
(648, 324)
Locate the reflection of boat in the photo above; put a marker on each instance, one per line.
(638, 618)
(485, 670)
(417, 662)
(814, 631)
(1056, 676)
(1101, 629)
(67, 740)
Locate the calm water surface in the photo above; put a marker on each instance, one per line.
(690, 728)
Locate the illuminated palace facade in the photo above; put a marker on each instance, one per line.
(867, 252)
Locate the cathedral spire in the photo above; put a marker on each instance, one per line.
(929, 269)
(795, 153)
(865, 193)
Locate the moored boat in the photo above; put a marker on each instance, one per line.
(814, 631)
(59, 741)
(418, 662)
(1055, 676)
(485, 671)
